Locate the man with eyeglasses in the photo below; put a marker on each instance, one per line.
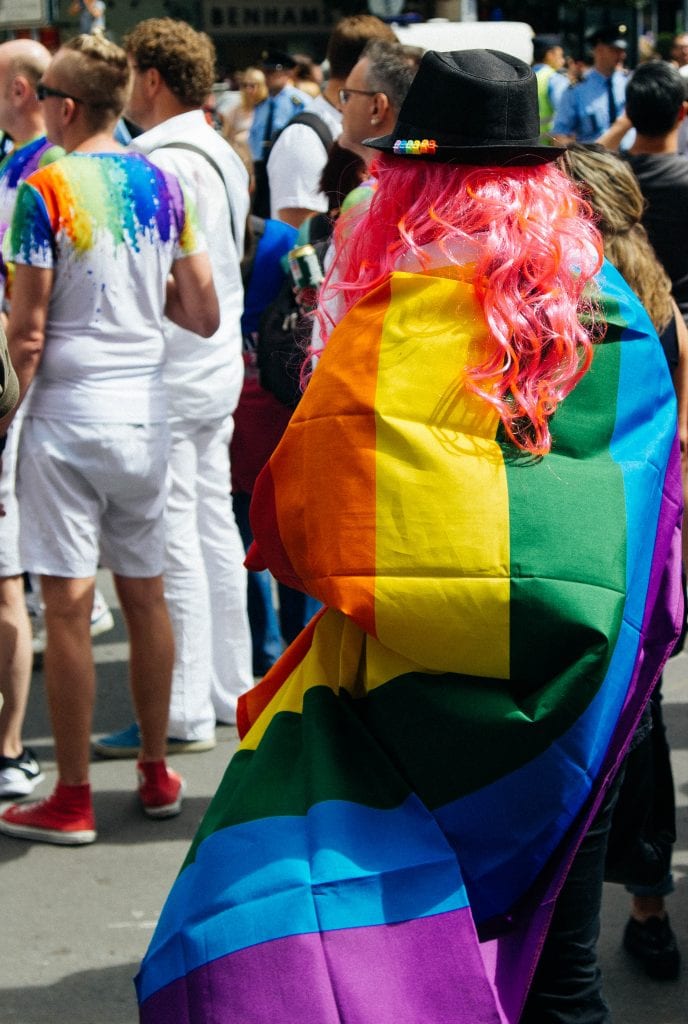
(298, 156)
(94, 238)
(373, 94)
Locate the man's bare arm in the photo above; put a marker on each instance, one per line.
(191, 297)
(294, 215)
(611, 139)
(26, 327)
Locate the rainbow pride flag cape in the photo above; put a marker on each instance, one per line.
(417, 770)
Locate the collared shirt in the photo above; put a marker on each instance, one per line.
(285, 105)
(584, 109)
(204, 375)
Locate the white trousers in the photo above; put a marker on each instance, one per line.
(205, 581)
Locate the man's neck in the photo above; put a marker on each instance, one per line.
(27, 130)
(660, 144)
(100, 142)
(165, 109)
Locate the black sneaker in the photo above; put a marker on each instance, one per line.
(653, 944)
(19, 776)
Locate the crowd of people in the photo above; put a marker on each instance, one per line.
(482, 233)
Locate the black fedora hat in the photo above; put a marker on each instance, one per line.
(470, 106)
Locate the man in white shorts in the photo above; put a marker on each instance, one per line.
(94, 237)
(173, 69)
(22, 62)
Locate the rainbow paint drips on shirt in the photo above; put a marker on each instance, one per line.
(109, 226)
(416, 771)
(122, 195)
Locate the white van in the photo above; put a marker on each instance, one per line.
(514, 37)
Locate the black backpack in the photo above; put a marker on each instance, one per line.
(284, 332)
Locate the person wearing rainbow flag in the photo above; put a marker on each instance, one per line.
(481, 484)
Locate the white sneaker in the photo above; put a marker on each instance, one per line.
(101, 621)
(37, 630)
(19, 776)
(101, 616)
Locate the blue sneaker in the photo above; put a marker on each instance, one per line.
(127, 743)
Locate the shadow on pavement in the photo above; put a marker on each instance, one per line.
(81, 998)
(120, 822)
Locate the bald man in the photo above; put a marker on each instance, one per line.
(22, 62)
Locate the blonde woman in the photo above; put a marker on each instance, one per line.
(611, 188)
(253, 90)
(644, 826)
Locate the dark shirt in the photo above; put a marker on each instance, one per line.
(663, 180)
(669, 342)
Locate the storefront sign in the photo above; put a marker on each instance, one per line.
(267, 18)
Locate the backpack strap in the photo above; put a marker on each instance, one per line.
(311, 120)
(215, 166)
(255, 229)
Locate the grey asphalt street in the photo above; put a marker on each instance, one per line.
(76, 921)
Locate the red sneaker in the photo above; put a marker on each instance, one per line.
(160, 789)
(65, 818)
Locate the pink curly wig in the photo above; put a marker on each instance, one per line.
(537, 251)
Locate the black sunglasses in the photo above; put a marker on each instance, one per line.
(43, 91)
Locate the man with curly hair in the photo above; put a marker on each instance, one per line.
(173, 69)
(95, 237)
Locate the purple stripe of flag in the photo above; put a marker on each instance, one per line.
(511, 959)
(425, 970)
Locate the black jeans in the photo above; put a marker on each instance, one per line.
(643, 829)
(567, 987)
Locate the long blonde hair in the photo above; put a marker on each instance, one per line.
(251, 99)
(611, 188)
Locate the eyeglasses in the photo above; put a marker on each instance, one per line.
(346, 94)
(43, 91)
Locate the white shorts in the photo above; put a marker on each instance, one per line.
(10, 563)
(92, 494)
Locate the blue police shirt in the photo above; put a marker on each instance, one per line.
(583, 110)
(286, 104)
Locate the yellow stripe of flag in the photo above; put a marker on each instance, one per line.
(441, 497)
